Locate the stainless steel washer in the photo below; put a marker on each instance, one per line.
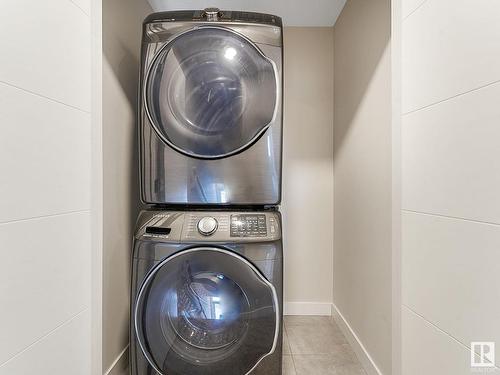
(207, 293)
(211, 108)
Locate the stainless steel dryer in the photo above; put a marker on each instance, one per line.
(211, 108)
(207, 293)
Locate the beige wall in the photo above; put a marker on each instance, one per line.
(363, 178)
(451, 183)
(121, 48)
(308, 169)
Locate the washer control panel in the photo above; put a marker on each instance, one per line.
(209, 226)
(248, 225)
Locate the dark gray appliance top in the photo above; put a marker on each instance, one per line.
(222, 16)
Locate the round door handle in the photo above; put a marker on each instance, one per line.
(207, 225)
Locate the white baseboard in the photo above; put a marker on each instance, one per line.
(356, 344)
(307, 308)
(120, 364)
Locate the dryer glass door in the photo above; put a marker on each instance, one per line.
(210, 92)
(206, 311)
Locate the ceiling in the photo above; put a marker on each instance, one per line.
(293, 12)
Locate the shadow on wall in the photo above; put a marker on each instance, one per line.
(125, 66)
(120, 208)
(126, 74)
(122, 31)
(359, 65)
(121, 51)
(362, 258)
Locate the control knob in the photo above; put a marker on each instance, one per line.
(212, 14)
(207, 225)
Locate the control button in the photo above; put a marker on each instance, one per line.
(212, 14)
(207, 225)
(248, 225)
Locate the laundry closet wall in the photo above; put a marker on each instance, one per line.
(308, 170)
(45, 205)
(363, 232)
(122, 29)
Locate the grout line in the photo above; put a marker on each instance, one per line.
(79, 7)
(452, 217)
(289, 349)
(293, 363)
(43, 96)
(44, 336)
(439, 329)
(451, 97)
(43, 217)
(414, 10)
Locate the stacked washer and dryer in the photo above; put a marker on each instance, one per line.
(207, 258)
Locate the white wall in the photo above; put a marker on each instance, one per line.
(45, 184)
(308, 170)
(362, 262)
(451, 183)
(122, 30)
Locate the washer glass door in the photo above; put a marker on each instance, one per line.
(210, 92)
(206, 311)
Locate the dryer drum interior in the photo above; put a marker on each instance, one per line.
(206, 311)
(210, 92)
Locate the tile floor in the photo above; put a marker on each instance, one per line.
(314, 345)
